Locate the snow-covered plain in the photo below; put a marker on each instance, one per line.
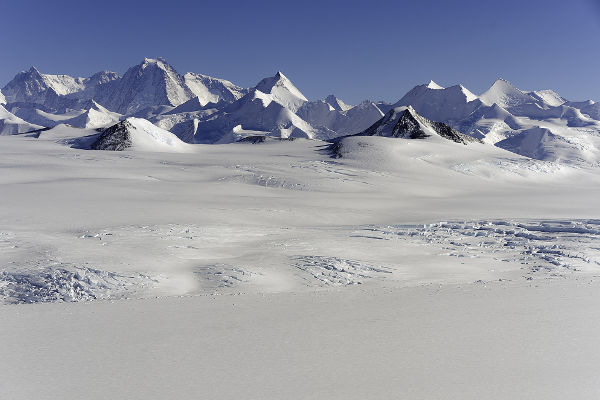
(388, 268)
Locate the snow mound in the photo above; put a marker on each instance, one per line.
(138, 134)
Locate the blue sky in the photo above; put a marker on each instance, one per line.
(355, 49)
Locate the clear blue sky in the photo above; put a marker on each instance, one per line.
(355, 49)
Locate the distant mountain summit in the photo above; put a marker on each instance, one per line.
(337, 104)
(150, 83)
(31, 86)
(283, 91)
(212, 90)
(441, 104)
(198, 108)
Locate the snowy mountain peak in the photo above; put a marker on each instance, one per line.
(506, 95)
(470, 96)
(102, 77)
(549, 97)
(33, 70)
(445, 104)
(433, 85)
(212, 90)
(336, 103)
(152, 82)
(283, 91)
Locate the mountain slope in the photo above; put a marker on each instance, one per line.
(212, 90)
(323, 116)
(406, 123)
(337, 104)
(283, 91)
(10, 124)
(256, 113)
(441, 104)
(95, 116)
(138, 134)
(153, 82)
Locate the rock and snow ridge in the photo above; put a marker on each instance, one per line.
(406, 123)
(336, 103)
(201, 109)
(138, 134)
(513, 119)
(153, 82)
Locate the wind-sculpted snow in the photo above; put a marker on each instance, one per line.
(334, 271)
(220, 276)
(543, 248)
(64, 283)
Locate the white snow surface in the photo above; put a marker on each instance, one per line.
(10, 124)
(212, 90)
(288, 269)
(336, 103)
(282, 91)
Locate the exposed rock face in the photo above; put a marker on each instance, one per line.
(115, 138)
(405, 122)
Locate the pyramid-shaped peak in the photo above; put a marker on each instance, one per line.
(279, 75)
(433, 85)
(337, 103)
(404, 122)
(282, 90)
(501, 85)
(159, 62)
(33, 71)
(279, 79)
(148, 60)
(504, 84)
(505, 94)
(468, 94)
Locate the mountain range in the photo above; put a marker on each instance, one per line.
(197, 108)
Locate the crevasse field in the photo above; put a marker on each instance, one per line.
(402, 269)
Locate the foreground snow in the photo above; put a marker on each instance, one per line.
(468, 342)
